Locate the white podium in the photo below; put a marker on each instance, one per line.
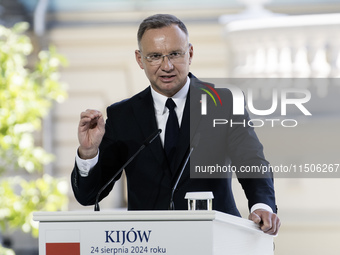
(149, 232)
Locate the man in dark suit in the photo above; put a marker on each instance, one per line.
(165, 55)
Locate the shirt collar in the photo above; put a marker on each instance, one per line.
(179, 98)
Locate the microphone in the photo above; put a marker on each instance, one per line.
(194, 145)
(147, 141)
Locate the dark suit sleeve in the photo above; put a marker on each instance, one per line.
(246, 150)
(111, 158)
(85, 189)
(232, 142)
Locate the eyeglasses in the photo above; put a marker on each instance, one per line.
(156, 59)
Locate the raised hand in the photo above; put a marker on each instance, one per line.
(91, 130)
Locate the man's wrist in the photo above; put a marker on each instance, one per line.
(85, 165)
(261, 206)
(87, 154)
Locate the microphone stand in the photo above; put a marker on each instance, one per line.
(149, 140)
(194, 145)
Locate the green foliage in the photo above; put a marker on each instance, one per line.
(26, 94)
(25, 97)
(42, 194)
(5, 251)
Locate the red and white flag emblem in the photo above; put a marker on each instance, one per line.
(62, 248)
(62, 242)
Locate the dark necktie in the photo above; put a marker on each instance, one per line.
(171, 132)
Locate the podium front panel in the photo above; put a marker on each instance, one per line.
(172, 233)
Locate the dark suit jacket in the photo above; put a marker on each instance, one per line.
(149, 179)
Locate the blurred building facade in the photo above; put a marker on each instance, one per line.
(99, 39)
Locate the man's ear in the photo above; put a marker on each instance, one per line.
(191, 53)
(138, 56)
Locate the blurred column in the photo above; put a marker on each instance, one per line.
(39, 27)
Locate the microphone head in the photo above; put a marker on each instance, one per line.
(195, 141)
(152, 137)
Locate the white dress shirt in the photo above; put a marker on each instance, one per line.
(162, 112)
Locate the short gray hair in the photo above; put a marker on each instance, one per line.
(159, 21)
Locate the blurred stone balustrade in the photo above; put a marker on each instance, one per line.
(284, 46)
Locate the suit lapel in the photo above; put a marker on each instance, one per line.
(144, 113)
(190, 127)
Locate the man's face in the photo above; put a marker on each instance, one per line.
(167, 77)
